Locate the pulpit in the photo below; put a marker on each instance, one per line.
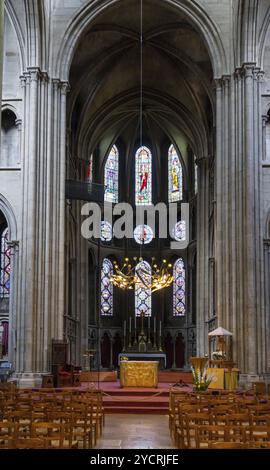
(139, 374)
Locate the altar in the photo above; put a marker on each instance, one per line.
(139, 374)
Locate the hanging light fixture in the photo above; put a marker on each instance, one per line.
(133, 272)
(130, 274)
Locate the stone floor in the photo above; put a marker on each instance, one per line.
(128, 431)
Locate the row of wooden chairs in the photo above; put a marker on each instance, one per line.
(79, 417)
(256, 437)
(188, 411)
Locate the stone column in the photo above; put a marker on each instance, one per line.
(240, 305)
(202, 255)
(40, 308)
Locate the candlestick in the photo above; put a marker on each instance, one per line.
(160, 328)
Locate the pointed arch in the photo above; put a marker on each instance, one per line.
(194, 12)
(111, 176)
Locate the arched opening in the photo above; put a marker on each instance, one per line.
(9, 140)
(144, 135)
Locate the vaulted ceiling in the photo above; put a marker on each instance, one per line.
(105, 80)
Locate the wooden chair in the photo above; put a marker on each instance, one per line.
(29, 443)
(227, 445)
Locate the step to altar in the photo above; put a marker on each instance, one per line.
(137, 399)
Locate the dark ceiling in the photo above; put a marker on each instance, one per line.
(104, 102)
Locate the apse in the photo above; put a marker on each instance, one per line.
(140, 115)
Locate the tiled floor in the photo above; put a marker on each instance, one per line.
(127, 431)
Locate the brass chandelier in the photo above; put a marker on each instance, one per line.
(132, 274)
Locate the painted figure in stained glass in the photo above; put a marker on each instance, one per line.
(179, 288)
(111, 176)
(105, 231)
(106, 288)
(175, 176)
(143, 300)
(143, 185)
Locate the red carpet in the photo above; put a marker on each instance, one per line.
(135, 400)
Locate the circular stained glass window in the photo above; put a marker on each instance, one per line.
(105, 231)
(143, 234)
(179, 231)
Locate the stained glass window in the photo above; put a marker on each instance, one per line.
(4, 264)
(89, 174)
(143, 234)
(143, 172)
(179, 231)
(106, 288)
(179, 288)
(175, 173)
(195, 178)
(143, 300)
(105, 231)
(111, 176)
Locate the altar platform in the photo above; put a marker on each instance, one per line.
(146, 356)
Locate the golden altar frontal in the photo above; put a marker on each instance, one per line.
(139, 373)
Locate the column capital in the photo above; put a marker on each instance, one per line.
(64, 87)
(34, 73)
(45, 77)
(56, 83)
(24, 79)
(258, 74)
(248, 69)
(218, 84)
(225, 79)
